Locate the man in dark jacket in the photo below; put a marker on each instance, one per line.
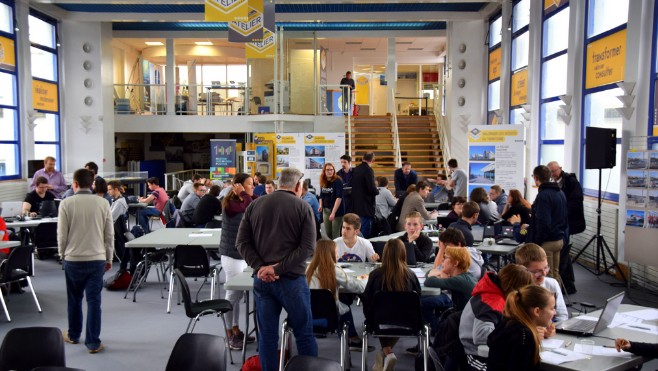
(404, 177)
(364, 191)
(573, 191)
(549, 218)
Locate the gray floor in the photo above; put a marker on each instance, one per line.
(140, 336)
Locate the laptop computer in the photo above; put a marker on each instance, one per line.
(11, 208)
(478, 234)
(583, 327)
(507, 236)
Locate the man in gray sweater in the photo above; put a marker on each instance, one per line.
(85, 234)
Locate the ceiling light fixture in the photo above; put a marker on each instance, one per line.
(203, 43)
(153, 43)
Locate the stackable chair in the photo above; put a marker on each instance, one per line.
(193, 262)
(309, 363)
(30, 347)
(16, 268)
(198, 352)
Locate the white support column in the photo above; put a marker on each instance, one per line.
(170, 77)
(391, 75)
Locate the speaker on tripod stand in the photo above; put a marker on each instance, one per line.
(600, 153)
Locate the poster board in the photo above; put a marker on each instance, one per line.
(223, 165)
(496, 155)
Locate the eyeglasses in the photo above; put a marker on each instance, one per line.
(540, 272)
(301, 178)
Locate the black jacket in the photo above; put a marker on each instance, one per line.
(644, 349)
(364, 190)
(574, 194)
(549, 215)
(422, 248)
(511, 346)
(465, 228)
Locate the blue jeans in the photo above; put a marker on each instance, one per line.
(84, 278)
(429, 303)
(366, 226)
(293, 295)
(144, 216)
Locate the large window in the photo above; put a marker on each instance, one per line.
(45, 86)
(553, 83)
(495, 60)
(519, 60)
(10, 159)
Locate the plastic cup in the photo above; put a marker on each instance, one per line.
(587, 346)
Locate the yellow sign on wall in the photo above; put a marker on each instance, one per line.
(551, 5)
(494, 64)
(519, 88)
(7, 57)
(44, 96)
(605, 60)
(226, 10)
(362, 90)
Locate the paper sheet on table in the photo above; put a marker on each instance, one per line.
(419, 272)
(598, 350)
(347, 270)
(649, 314)
(565, 356)
(641, 327)
(552, 343)
(207, 230)
(200, 235)
(620, 319)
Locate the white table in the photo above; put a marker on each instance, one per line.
(9, 244)
(167, 238)
(30, 223)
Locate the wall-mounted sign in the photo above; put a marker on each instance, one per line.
(494, 64)
(7, 57)
(519, 88)
(605, 60)
(44, 96)
(226, 10)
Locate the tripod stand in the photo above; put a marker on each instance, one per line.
(600, 244)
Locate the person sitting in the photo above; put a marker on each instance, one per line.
(270, 187)
(516, 341)
(4, 236)
(456, 208)
(418, 245)
(188, 186)
(324, 273)
(351, 247)
(440, 192)
(517, 205)
(484, 311)
(488, 209)
(414, 202)
(497, 194)
(227, 187)
(158, 196)
(470, 213)
(33, 199)
(396, 212)
(533, 257)
(393, 275)
(259, 188)
(190, 203)
(100, 188)
(208, 207)
(455, 238)
(384, 201)
(649, 350)
(404, 177)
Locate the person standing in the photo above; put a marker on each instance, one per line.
(364, 191)
(345, 173)
(347, 91)
(85, 236)
(458, 179)
(120, 207)
(331, 197)
(276, 236)
(404, 177)
(573, 191)
(56, 182)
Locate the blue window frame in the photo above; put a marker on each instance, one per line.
(519, 53)
(494, 41)
(10, 151)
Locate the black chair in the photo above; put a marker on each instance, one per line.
(16, 268)
(56, 368)
(444, 206)
(214, 224)
(152, 257)
(401, 320)
(192, 261)
(378, 246)
(198, 352)
(26, 348)
(444, 221)
(45, 240)
(197, 309)
(309, 363)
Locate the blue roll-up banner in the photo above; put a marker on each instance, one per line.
(223, 163)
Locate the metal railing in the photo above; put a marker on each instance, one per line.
(140, 99)
(440, 119)
(175, 180)
(396, 135)
(326, 107)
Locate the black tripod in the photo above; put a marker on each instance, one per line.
(600, 244)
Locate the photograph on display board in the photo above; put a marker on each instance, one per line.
(653, 160)
(637, 160)
(652, 219)
(482, 172)
(314, 151)
(263, 164)
(653, 199)
(636, 179)
(482, 153)
(314, 163)
(653, 179)
(282, 161)
(282, 151)
(636, 198)
(262, 153)
(635, 218)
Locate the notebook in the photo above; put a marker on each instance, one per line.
(478, 234)
(583, 327)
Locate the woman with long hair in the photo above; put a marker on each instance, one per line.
(393, 275)
(517, 205)
(324, 273)
(233, 208)
(331, 198)
(488, 208)
(515, 341)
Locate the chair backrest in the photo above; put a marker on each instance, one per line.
(29, 347)
(45, 235)
(323, 306)
(120, 229)
(444, 206)
(309, 363)
(192, 260)
(185, 293)
(198, 352)
(404, 318)
(214, 224)
(17, 265)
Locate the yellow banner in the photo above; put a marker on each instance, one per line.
(605, 60)
(44, 96)
(519, 88)
(226, 10)
(262, 49)
(7, 57)
(494, 64)
(362, 90)
(551, 5)
(493, 136)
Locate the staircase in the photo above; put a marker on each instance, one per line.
(373, 133)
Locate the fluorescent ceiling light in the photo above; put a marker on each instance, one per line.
(153, 43)
(206, 43)
(353, 43)
(404, 42)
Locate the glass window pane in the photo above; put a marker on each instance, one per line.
(45, 150)
(6, 18)
(554, 77)
(601, 110)
(515, 116)
(8, 159)
(495, 28)
(551, 152)
(521, 15)
(44, 64)
(494, 96)
(552, 126)
(520, 51)
(555, 36)
(7, 89)
(8, 122)
(42, 32)
(47, 128)
(604, 15)
(610, 178)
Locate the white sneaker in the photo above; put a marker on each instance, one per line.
(389, 362)
(379, 362)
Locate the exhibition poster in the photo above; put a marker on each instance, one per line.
(222, 159)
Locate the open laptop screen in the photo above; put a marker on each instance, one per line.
(478, 233)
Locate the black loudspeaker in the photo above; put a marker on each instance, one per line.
(600, 148)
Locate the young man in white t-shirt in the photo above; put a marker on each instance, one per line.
(351, 245)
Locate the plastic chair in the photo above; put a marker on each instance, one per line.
(45, 240)
(56, 368)
(401, 320)
(309, 363)
(14, 269)
(29, 347)
(152, 257)
(192, 261)
(198, 352)
(195, 310)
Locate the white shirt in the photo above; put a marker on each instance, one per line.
(186, 190)
(362, 248)
(561, 309)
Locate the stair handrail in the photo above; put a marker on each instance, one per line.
(439, 118)
(396, 134)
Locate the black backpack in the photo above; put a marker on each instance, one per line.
(446, 342)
